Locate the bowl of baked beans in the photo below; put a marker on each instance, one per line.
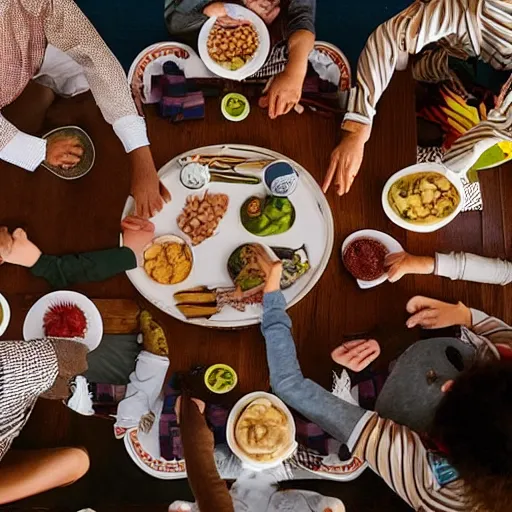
(235, 48)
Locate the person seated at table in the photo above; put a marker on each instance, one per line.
(53, 43)
(184, 20)
(62, 271)
(29, 370)
(441, 434)
(478, 28)
(251, 492)
(455, 265)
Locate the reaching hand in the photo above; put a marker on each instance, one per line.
(283, 94)
(147, 190)
(229, 22)
(215, 10)
(17, 248)
(272, 269)
(345, 162)
(267, 10)
(137, 234)
(400, 264)
(64, 152)
(356, 355)
(435, 314)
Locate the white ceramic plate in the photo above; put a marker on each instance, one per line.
(6, 314)
(150, 62)
(413, 169)
(157, 468)
(230, 430)
(259, 57)
(33, 325)
(313, 227)
(388, 241)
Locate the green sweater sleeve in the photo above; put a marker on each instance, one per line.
(62, 271)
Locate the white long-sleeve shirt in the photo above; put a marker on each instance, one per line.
(27, 27)
(465, 27)
(470, 267)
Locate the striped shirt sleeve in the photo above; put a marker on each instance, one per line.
(496, 331)
(398, 456)
(391, 43)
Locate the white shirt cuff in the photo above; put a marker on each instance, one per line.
(25, 151)
(356, 433)
(477, 316)
(358, 118)
(132, 132)
(446, 265)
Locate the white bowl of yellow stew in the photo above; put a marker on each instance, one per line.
(5, 314)
(423, 197)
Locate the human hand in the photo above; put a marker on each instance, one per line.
(400, 264)
(356, 355)
(229, 22)
(272, 269)
(345, 163)
(137, 234)
(64, 152)
(435, 314)
(147, 190)
(215, 10)
(283, 94)
(19, 250)
(6, 242)
(267, 10)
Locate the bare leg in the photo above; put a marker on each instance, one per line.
(28, 111)
(25, 473)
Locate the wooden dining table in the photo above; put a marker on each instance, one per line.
(84, 215)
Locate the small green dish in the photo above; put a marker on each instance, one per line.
(235, 107)
(220, 378)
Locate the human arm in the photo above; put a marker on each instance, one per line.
(28, 152)
(339, 418)
(386, 49)
(185, 17)
(210, 491)
(68, 29)
(488, 335)
(455, 265)
(285, 90)
(399, 457)
(62, 271)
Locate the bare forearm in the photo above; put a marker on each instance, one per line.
(300, 45)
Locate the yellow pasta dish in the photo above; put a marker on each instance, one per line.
(423, 198)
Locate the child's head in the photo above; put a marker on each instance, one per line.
(474, 423)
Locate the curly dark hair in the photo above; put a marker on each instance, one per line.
(474, 423)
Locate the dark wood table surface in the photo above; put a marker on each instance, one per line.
(84, 215)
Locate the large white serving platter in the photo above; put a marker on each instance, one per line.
(313, 227)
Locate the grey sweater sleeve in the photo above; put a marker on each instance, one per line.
(185, 18)
(470, 267)
(301, 16)
(337, 417)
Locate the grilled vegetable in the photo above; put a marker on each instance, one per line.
(191, 311)
(201, 297)
(233, 177)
